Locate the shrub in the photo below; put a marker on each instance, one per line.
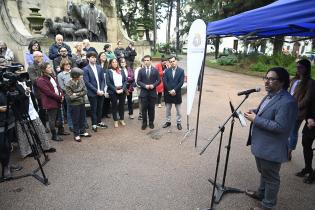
(227, 60)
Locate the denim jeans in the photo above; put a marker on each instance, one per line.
(178, 112)
(294, 135)
(78, 116)
(269, 182)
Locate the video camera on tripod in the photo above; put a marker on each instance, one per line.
(17, 99)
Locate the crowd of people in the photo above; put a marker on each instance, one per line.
(63, 80)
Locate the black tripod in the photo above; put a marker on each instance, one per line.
(28, 128)
(219, 190)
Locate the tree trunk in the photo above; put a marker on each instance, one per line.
(177, 24)
(168, 33)
(278, 44)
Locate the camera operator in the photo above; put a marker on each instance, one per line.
(6, 133)
(29, 106)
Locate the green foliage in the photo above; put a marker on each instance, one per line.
(134, 12)
(264, 62)
(227, 60)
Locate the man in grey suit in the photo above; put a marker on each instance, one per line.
(271, 124)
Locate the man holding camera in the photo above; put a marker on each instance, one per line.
(6, 133)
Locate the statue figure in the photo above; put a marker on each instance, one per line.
(91, 18)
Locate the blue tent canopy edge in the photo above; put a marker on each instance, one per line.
(281, 18)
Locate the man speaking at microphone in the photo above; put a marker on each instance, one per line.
(270, 128)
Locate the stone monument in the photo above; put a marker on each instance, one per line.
(68, 17)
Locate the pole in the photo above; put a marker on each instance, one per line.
(200, 94)
(154, 33)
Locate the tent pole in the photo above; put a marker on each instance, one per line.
(201, 84)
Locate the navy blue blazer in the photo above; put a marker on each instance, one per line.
(175, 83)
(90, 80)
(111, 88)
(143, 80)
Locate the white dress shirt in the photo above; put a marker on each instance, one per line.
(96, 76)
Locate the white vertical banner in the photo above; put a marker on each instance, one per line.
(195, 55)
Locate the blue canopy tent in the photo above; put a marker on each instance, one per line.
(281, 18)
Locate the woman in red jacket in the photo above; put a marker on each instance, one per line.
(51, 96)
(160, 88)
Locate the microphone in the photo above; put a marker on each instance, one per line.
(247, 92)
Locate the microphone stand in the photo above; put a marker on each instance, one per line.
(219, 190)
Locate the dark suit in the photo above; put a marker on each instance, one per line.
(309, 133)
(269, 142)
(148, 97)
(175, 83)
(96, 101)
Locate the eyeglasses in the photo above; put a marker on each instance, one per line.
(147, 60)
(270, 79)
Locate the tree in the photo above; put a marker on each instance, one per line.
(133, 12)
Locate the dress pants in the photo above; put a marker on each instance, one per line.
(118, 107)
(130, 104)
(269, 182)
(148, 109)
(307, 143)
(52, 115)
(5, 145)
(96, 103)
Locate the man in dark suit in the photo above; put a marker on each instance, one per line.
(173, 81)
(95, 82)
(270, 129)
(148, 79)
(308, 139)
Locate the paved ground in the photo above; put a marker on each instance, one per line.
(127, 168)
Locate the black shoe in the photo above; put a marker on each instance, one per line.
(310, 179)
(7, 173)
(167, 124)
(143, 127)
(102, 125)
(179, 126)
(151, 125)
(55, 137)
(94, 128)
(304, 172)
(51, 150)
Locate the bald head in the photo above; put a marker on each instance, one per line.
(59, 39)
(38, 57)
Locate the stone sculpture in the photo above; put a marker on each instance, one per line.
(91, 18)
